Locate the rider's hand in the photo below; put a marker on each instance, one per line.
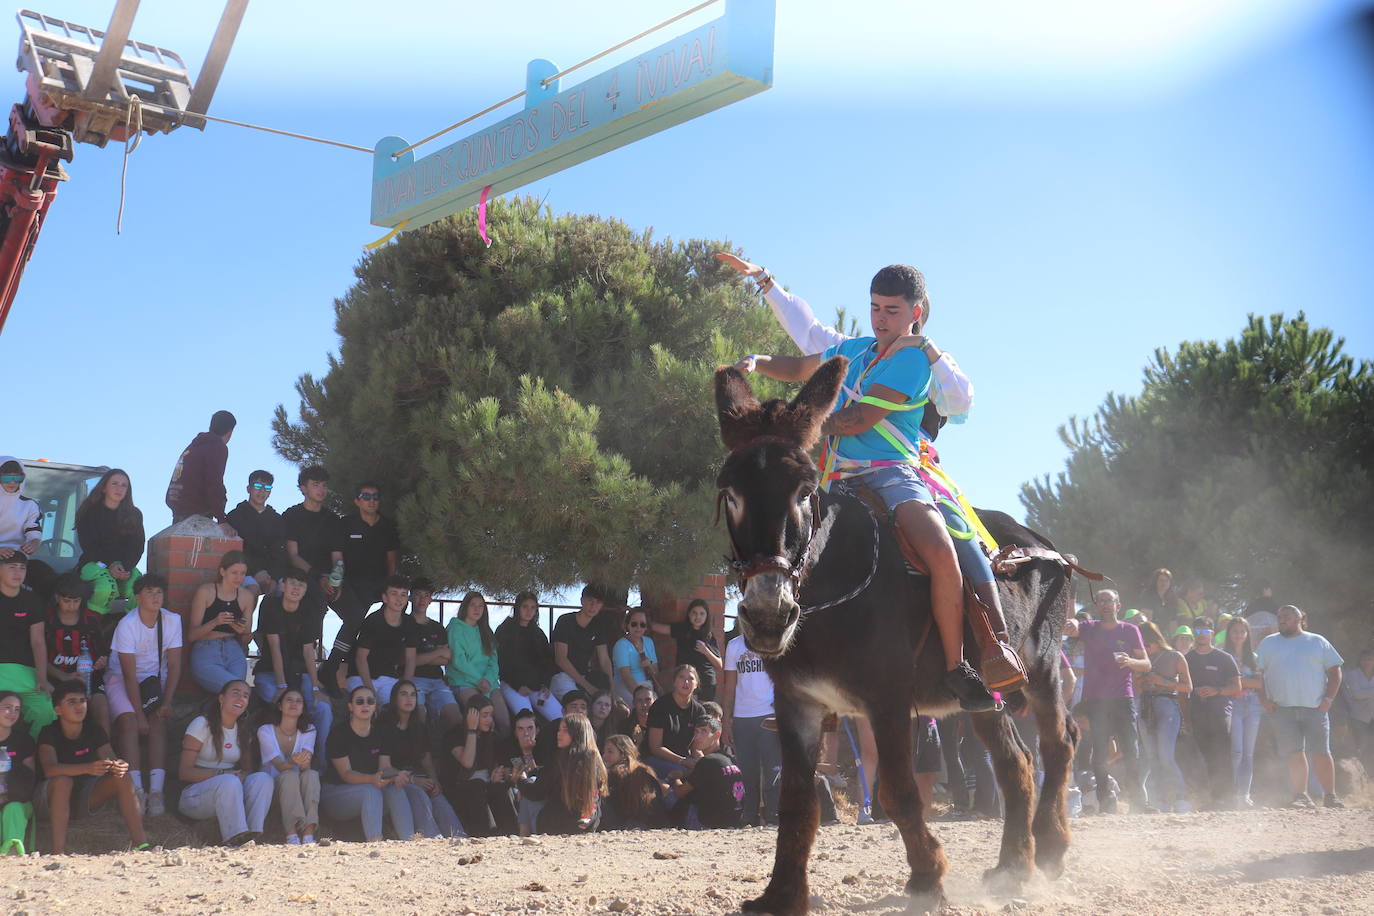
(740, 265)
(747, 365)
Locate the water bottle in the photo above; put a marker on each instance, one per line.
(84, 666)
(4, 774)
(336, 574)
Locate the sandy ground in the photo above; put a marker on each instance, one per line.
(1318, 862)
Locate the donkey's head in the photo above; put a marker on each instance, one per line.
(768, 486)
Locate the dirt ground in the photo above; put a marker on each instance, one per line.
(1267, 861)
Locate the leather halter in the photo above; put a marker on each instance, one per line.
(794, 568)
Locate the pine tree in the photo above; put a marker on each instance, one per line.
(538, 413)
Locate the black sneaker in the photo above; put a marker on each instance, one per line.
(1331, 801)
(1301, 800)
(968, 688)
(1107, 805)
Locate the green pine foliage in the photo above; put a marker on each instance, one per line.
(1242, 462)
(538, 413)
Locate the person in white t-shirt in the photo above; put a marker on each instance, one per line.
(218, 768)
(141, 712)
(747, 699)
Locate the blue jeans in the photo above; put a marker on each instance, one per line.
(1245, 720)
(434, 694)
(433, 816)
(367, 802)
(760, 760)
(216, 662)
(900, 484)
(321, 710)
(1166, 783)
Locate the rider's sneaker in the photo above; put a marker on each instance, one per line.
(968, 688)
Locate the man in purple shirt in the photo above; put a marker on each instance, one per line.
(1112, 651)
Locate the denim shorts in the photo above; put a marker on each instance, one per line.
(898, 484)
(1301, 728)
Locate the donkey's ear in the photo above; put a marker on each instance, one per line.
(737, 408)
(813, 403)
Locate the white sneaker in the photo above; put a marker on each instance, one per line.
(1182, 807)
(292, 840)
(865, 816)
(156, 806)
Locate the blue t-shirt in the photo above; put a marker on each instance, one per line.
(624, 655)
(907, 371)
(1294, 668)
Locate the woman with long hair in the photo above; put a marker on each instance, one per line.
(1164, 688)
(415, 773)
(110, 529)
(474, 779)
(474, 668)
(606, 712)
(20, 750)
(217, 767)
(574, 784)
(359, 780)
(634, 792)
(222, 625)
(287, 743)
(696, 646)
(634, 658)
(526, 661)
(1246, 710)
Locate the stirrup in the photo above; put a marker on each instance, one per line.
(1001, 668)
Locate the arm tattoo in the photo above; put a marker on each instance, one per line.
(848, 421)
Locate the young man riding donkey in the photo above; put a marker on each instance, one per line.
(829, 604)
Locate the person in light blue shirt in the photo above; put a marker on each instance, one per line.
(634, 657)
(1301, 673)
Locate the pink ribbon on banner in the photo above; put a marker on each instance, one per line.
(482, 216)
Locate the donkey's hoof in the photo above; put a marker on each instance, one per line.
(927, 894)
(777, 903)
(1050, 863)
(1006, 881)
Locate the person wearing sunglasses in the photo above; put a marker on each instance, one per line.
(1216, 684)
(263, 533)
(21, 522)
(371, 553)
(359, 781)
(634, 657)
(197, 484)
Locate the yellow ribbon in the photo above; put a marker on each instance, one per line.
(389, 236)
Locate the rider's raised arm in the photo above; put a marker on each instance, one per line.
(800, 323)
(782, 368)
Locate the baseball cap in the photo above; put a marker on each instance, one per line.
(1184, 631)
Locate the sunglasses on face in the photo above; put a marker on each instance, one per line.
(11, 478)
(363, 701)
(370, 497)
(1202, 632)
(265, 487)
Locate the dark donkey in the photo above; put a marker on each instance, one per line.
(830, 607)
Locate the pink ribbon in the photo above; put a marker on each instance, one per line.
(482, 216)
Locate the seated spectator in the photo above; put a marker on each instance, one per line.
(287, 743)
(314, 542)
(18, 747)
(525, 757)
(1245, 711)
(110, 529)
(431, 654)
(525, 660)
(360, 781)
(670, 723)
(1216, 684)
(710, 795)
(222, 625)
(263, 532)
(573, 785)
(634, 799)
(573, 702)
(474, 669)
(636, 725)
(80, 771)
(197, 484)
(580, 652)
(696, 646)
(74, 630)
(289, 628)
(21, 523)
(218, 768)
(1164, 689)
(634, 657)
(23, 653)
(474, 778)
(145, 664)
(415, 772)
(606, 715)
(1358, 686)
(385, 648)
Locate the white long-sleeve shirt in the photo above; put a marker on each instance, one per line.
(950, 389)
(20, 517)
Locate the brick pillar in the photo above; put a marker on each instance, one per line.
(188, 554)
(673, 609)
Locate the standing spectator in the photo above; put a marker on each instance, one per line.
(110, 529)
(473, 667)
(74, 630)
(1112, 651)
(222, 625)
(634, 657)
(671, 723)
(634, 794)
(23, 652)
(263, 532)
(1216, 683)
(288, 633)
(359, 780)
(219, 770)
(313, 539)
(1301, 674)
(80, 771)
(1262, 615)
(525, 660)
(288, 742)
(431, 654)
(1183, 639)
(1165, 687)
(579, 652)
(415, 773)
(696, 646)
(1192, 605)
(145, 666)
(371, 554)
(573, 785)
(968, 764)
(709, 796)
(1245, 711)
(385, 649)
(1160, 600)
(474, 778)
(746, 700)
(197, 485)
(1358, 687)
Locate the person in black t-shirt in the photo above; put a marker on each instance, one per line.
(360, 780)
(288, 635)
(312, 533)
(431, 654)
(580, 651)
(416, 776)
(384, 652)
(81, 773)
(73, 628)
(671, 725)
(263, 532)
(21, 641)
(18, 750)
(474, 777)
(712, 795)
(696, 646)
(371, 552)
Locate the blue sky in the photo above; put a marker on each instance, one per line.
(1080, 185)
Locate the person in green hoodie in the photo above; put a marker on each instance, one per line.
(474, 668)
